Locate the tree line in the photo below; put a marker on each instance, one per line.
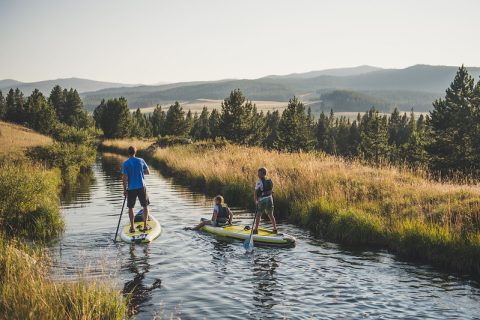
(43, 114)
(447, 140)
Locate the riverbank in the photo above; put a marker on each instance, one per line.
(345, 202)
(30, 213)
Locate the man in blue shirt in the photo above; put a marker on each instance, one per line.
(133, 171)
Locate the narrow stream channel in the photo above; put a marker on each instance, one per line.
(192, 275)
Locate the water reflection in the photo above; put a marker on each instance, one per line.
(206, 277)
(264, 275)
(137, 291)
(79, 191)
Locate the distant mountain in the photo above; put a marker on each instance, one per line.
(339, 72)
(413, 87)
(82, 85)
(9, 83)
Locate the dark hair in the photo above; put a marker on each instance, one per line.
(132, 150)
(263, 170)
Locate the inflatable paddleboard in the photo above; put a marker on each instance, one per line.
(264, 237)
(140, 236)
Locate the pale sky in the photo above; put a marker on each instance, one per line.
(140, 41)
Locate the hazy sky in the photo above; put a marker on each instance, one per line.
(150, 41)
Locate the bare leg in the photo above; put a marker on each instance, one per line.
(130, 215)
(202, 224)
(257, 221)
(273, 221)
(145, 217)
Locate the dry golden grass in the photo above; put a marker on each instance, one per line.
(362, 204)
(15, 139)
(26, 292)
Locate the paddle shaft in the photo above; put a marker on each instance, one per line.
(120, 218)
(253, 225)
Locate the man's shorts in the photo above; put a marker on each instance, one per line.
(266, 205)
(142, 197)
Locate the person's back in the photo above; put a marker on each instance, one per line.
(134, 168)
(133, 176)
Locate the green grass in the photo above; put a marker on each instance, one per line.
(29, 213)
(26, 292)
(346, 202)
(29, 206)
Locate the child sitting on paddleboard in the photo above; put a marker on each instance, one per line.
(222, 215)
(263, 197)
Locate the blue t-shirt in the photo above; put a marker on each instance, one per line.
(134, 168)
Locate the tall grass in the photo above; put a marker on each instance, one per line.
(344, 201)
(29, 210)
(29, 206)
(26, 292)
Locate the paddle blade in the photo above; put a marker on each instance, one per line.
(248, 244)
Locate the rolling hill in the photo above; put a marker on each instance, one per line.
(413, 87)
(82, 85)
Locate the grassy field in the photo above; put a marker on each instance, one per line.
(16, 139)
(342, 201)
(30, 213)
(197, 105)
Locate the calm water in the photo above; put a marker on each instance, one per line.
(192, 275)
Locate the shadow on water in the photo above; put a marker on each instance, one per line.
(136, 290)
(266, 287)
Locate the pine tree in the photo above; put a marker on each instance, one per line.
(453, 128)
(214, 124)
(175, 123)
(189, 120)
(322, 132)
(413, 152)
(201, 129)
(353, 139)
(3, 106)
(342, 136)
(373, 145)
(272, 121)
(40, 115)
(114, 118)
(294, 131)
(15, 107)
(239, 119)
(57, 101)
(74, 114)
(138, 124)
(157, 121)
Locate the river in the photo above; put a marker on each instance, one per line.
(193, 275)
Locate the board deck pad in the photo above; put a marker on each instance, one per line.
(264, 236)
(139, 235)
(241, 229)
(138, 228)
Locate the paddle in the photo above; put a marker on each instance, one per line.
(120, 218)
(248, 244)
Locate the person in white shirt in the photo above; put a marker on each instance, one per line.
(263, 197)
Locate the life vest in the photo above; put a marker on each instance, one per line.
(266, 189)
(222, 213)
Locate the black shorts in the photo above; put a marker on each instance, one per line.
(142, 197)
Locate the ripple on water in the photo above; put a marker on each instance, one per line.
(194, 275)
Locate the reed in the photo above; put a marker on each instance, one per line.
(348, 202)
(26, 291)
